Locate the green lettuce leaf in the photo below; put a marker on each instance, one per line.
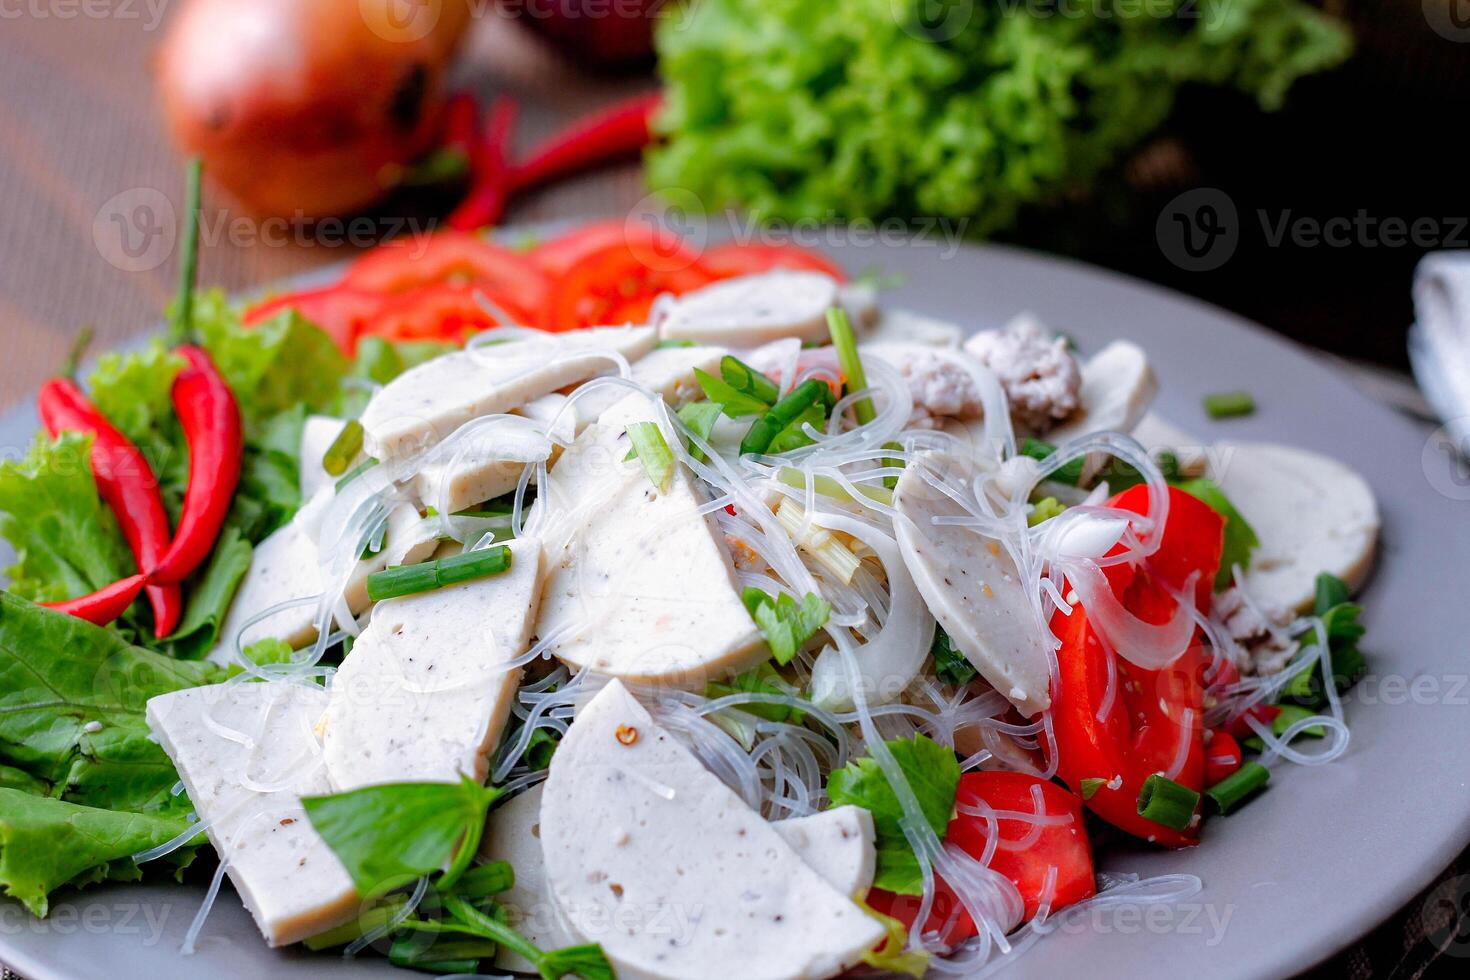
(72, 697)
(963, 111)
(65, 538)
(209, 596)
(933, 773)
(386, 836)
(46, 843)
(273, 365)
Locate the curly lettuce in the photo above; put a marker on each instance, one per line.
(967, 110)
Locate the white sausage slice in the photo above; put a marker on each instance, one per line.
(749, 311)
(421, 697)
(1118, 386)
(659, 861)
(1311, 513)
(973, 588)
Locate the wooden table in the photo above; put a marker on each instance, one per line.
(79, 126)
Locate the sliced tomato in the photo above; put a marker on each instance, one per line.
(1121, 723)
(1222, 757)
(658, 247)
(509, 278)
(1025, 851)
(444, 311)
(735, 259)
(339, 311)
(557, 256)
(617, 284)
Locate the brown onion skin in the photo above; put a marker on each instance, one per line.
(300, 107)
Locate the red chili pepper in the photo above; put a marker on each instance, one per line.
(618, 131)
(125, 481)
(105, 605)
(490, 169)
(459, 124)
(211, 421)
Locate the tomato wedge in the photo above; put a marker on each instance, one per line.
(1026, 851)
(340, 312)
(1222, 757)
(735, 259)
(1141, 721)
(618, 283)
(443, 311)
(559, 255)
(506, 277)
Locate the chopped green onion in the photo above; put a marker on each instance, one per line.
(950, 665)
(666, 344)
(1044, 510)
(181, 324)
(891, 482)
(744, 378)
(783, 413)
(369, 920)
(1331, 591)
(1070, 474)
(1229, 792)
(344, 449)
(701, 418)
(850, 361)
(794, 435)
(828, 487)
(1228, 404)
(1290, 714)
(654, 453)
(1090, 787)
(734, 402)
(1167, 803)
(413, 579)
(357, 471)
(485, 880)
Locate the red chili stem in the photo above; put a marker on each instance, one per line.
(490, 170)
(211, 422)
(125, 481)
(619, 131)
(105, 605)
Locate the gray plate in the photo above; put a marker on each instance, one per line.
(1325, 855)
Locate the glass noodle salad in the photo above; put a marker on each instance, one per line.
(600, 608)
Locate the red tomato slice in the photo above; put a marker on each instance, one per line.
(659, 248)
(1025, 852)
(735, 259)
(453, 257)
(1222, 757)
(340, 312)
(1152, 718)
(444, 311)
(617, 284)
